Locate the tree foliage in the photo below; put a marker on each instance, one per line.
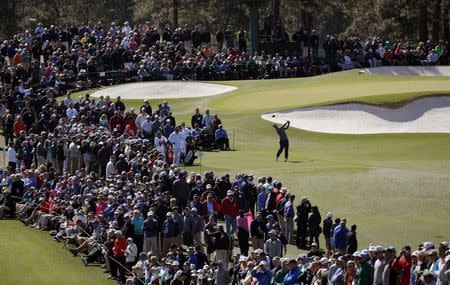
(408, 19)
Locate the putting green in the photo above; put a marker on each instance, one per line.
(393, 186)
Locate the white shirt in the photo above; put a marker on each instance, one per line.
(126, 30)
(207, 119)
(159, 144)
(147, 126)
(110, 168)
(11, 155)
(131, 252)
(176, 140)
(71, 113)
(140, 119)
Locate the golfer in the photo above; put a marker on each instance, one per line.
(284, 141)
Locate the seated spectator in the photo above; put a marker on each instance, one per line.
(221, 139)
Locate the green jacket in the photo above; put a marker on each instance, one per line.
(363, 274)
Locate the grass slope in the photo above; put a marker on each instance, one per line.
(394, 186)
(30, 256)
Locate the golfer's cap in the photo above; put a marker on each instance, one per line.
(175, 263)
(169, 214)
(284, 190)
(193, 209)
(150, 213)
(118, 233)
(208, 186)
(262, 263)
(270, 217)
(314, 244)
(230, 192)
(415, 253)
(329, 215)
(273, 232)
(179, 272)
(356, 254)
(340, 258)
(258, 251)
(365, 252)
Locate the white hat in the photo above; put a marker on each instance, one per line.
(118, 233)
(324, 261)
(230, 192)
(329, 215)
(175, 263)
(243, 258)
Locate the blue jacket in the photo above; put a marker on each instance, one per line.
(292, 276)
(340, 237)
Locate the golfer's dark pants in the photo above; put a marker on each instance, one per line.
(222, 143)
(284, 145)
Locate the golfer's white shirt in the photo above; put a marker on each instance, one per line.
(159, 144)
(110, 168)
(185, 133)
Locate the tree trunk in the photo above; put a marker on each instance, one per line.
(175, 14)
(423, 20)
(436, 28)
(8, 20)
(276, 9)
(445, 21)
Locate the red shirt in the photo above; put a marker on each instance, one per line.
(229, 207)
(403, 264)
(120, 245)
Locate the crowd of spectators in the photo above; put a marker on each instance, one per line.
(79, 57)
(109, 183)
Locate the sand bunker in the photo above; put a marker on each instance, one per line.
(410, 70)
(424, 115)
(164, 90)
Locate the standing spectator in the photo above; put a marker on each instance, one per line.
(328, 232)
(150, 228)
(314, 229)
(223, 244)
(340, 237)
(257, 231)
(230, 209)
(274, 246)
(170, 232)
(138, 223)
(118, 263)
(352, 241)
(130, 253)
(243, 233)
(289, 215)
(197, 119)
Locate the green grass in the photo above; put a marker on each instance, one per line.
(30, 256)
(393, 186)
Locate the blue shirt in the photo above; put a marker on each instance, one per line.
(262, 198)
(292, 276)
(138, 223)
(340, 237)
(221, 133)
(262, 278)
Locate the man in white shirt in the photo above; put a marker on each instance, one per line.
(207, 119)
(185, 133)
(147, 127)
(176, 139)
(141, 118)
(74, 156)
(126, 29)
(71, 112)
(11, 157)
(111, 166)
(160, 143)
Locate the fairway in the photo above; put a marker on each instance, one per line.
(395, 187)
